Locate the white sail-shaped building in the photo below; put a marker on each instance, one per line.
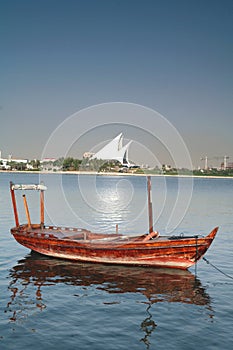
(114, 150)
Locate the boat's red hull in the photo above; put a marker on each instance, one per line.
(162, 252)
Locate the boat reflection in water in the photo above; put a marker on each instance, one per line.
(157, 285)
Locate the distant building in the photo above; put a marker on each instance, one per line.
(48, 164)
(46, 160)
(5, 163)
(114, 150)
(88, 155)
(229, 165)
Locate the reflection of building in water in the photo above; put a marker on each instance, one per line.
(114, 150)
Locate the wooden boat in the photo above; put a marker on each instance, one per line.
(82, 245)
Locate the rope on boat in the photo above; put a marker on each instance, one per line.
(215, 267)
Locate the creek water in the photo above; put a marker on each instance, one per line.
(56, 304)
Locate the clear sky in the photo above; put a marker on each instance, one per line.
(60, 56)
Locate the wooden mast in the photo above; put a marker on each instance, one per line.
(149, 204)
(42, 208)
(27, 211)
(14, 204)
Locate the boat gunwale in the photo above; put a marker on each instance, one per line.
(117, 241)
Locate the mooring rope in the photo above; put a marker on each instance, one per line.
(215, 267)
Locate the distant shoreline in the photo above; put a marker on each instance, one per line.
(110, 174)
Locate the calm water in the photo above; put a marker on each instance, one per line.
(56, 304)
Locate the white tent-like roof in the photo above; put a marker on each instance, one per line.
(114, 151)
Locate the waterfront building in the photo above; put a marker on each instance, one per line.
(114, 150)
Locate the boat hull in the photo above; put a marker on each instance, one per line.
(171, 252)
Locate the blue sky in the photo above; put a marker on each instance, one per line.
(60, 56)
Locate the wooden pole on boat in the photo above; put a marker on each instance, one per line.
(14, 204)
(27, 211)
(42, 208)
(149, 204)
